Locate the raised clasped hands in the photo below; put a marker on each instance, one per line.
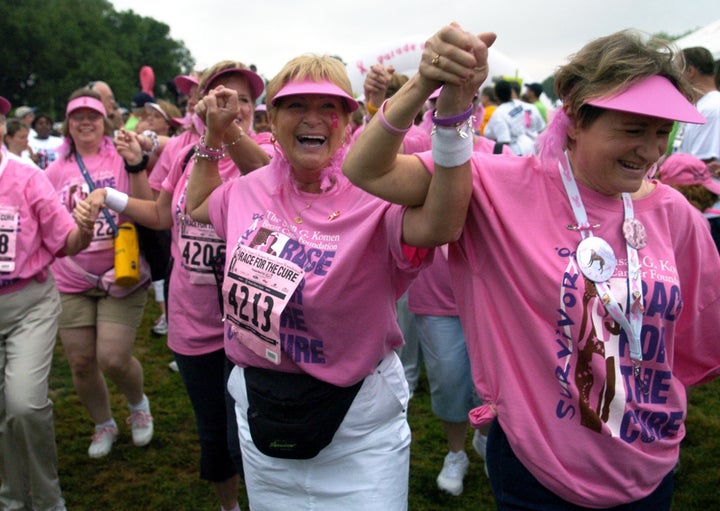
(218, 109)
(376, 83)
(457, 60)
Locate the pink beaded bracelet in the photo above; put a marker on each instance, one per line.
(389, 127)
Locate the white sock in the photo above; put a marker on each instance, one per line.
(236, 508)
(142, 406)
(107, 424)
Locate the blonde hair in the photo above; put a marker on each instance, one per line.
(311, 67)
(611, 63)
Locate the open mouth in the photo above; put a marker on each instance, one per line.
(633, 166)
(311, 140)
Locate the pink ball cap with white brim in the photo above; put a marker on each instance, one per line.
(325, 88)
(655, 96)
(85, 102)
(185, 83)
(687, 170)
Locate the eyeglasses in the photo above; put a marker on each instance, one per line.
(87, 116)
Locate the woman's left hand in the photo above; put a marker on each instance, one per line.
(458, 60)
(128, 146)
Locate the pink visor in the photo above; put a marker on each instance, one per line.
(687, 170)
(257, 85)
(309, 87)
(185, 83)
(85, 102)
(4, 106)
(149, 107)
(655, 96)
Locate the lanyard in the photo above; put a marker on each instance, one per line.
(633, 324)
(91, 187)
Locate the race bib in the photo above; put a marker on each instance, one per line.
(9, 221)
(256, 289)
(200, 246)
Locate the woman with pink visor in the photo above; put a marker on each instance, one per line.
(99, 318)
(314, 266)
(195, 327)
(588, 290)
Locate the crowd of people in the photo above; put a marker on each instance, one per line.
(555, 269)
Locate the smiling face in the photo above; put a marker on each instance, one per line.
(87, 128)
(310, 128)
(614, 154)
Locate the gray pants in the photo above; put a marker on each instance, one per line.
(28, 456)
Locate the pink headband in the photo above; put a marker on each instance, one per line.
(85, 102)
(309, 87)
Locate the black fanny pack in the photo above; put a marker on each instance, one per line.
(293, 415)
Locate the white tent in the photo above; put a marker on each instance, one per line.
(708, 36)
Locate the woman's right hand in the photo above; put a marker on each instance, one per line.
(87, 210)
(128, 146)
(218, 109)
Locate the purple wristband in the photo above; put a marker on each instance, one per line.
(453, 120)
(385, 124)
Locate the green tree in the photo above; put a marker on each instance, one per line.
(52, 47)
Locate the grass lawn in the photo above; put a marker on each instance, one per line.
(164, 475)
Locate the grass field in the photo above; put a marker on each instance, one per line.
(164, 476)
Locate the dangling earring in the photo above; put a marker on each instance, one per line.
(272, 138)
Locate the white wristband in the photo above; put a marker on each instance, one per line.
(115, 200)
(450, 148)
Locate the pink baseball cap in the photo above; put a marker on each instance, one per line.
(257, 85)
(687, 170)
(655, 96)
(85, 102)
(309, 87)
(4, 106)
(261, 108)
(185, 83)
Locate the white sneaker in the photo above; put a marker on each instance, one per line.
(161, 326)
(479, 442)
(142, 427)
(102, 441)
(173, 366)
(454, 469)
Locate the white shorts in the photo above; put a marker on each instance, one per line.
(366, 466)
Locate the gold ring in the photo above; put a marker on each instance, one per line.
(435, 60)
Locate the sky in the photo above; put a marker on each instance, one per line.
(535, 35)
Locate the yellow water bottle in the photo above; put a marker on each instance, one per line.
(127, 256)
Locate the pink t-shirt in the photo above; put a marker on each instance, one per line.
(33, 225)
(177, 145)
(431, 293)
(341, 320)
(106, 168)
(194, 320)
(543, 351)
